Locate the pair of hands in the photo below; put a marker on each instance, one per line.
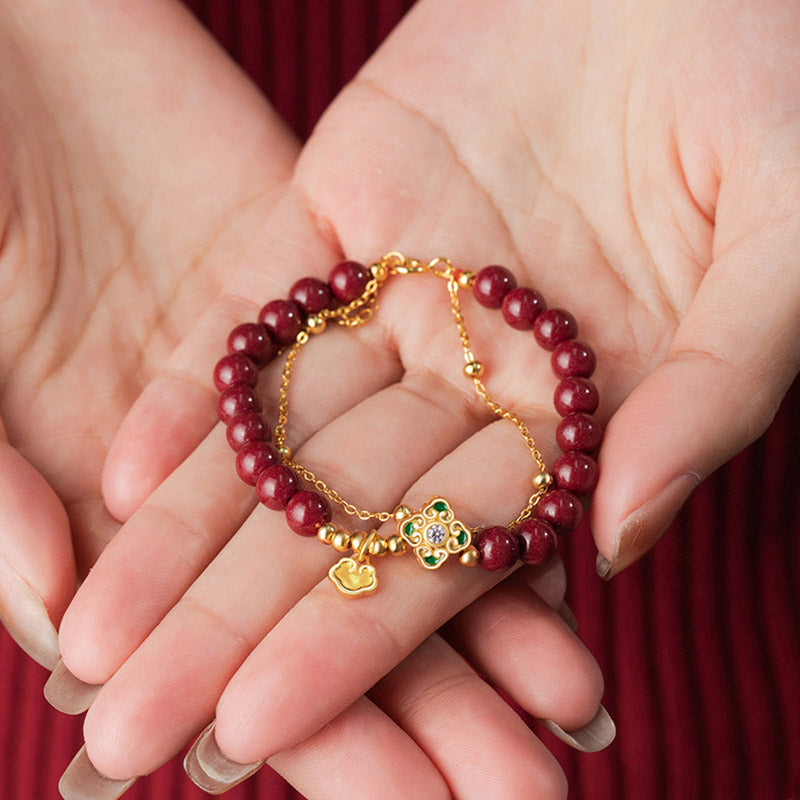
(628, 163)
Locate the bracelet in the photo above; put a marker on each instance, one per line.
(433, 532)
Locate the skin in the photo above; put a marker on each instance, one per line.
(636, 164)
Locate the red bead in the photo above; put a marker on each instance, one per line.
(251, 339)
(246, 428)
(492, 284)
(253, 459)
(537, 541)
(311, 294)
(573, 358)
(521, 306)
(276, 485)
(498, 547)
(348, 281)
(306, 511)
(575, 472)
(233, 369)
(236, 400)
(561, 509)
(554, 326)
(283, 319)
(576, 394)
(579, 432)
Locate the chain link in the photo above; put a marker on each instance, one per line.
(359, 312)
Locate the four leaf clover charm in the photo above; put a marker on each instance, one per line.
(434, 533)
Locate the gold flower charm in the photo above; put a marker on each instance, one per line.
(353, 579)
(434, 533)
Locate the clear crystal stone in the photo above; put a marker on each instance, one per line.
(435, 534)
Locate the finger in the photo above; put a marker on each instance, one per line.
(251, 584)
(178, 408)
(326, 634)
(729, 365)
(189, 518)
(501, 635)
(362, 753)
(37, 564)
(472, 735)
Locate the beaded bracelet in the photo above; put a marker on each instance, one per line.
(433, 532)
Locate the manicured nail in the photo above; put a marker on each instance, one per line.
(602, 565)
(25, 617)
(642, 528)
(210, 770)
(598, 734)
(68, 694)
(565, 612)
(81, 781)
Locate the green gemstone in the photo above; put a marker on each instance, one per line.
(432, 560)
(408, 528)
(462, 538)
(440, 506)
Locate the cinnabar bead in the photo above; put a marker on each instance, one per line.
(283, 319)
(498, 547)
(554, 326)
(579, 432)
(537, 541)
(237, 400)
(311, 294)
(572, 357)
(253, 459)
(575, 472)
(561, 509)
(348, 280)
(521, 306)
(492, 284)
(249, 427)
(233, 369)
(575, 394)
(306, 511)
(276, 485)
(253, 340)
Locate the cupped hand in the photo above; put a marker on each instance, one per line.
(121, 201)
(638, 166)
(141, 173)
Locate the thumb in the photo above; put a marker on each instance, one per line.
(733, 358)
(37, 565)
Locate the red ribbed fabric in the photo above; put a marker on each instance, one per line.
(700, 643)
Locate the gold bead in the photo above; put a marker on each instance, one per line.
(326, 532)
(315, 323)
(285, 452)
(401, 512)
(357, 539)
(466, 279)
(378, 546)
(302, 337)
(470, 557)
(542, 480)
(378, 271)
(341, 541)
(396, 545)
(474, 369)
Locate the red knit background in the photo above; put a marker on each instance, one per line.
(700, 643)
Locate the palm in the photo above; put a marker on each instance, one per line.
(113, 276)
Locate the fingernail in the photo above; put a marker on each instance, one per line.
(602, 565)
(68, 694)
(210, 770)
(25, 617)
(598, 734)
(81, 781)
(642, 528)
(565, 612)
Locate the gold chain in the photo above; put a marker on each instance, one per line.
(359, 312)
